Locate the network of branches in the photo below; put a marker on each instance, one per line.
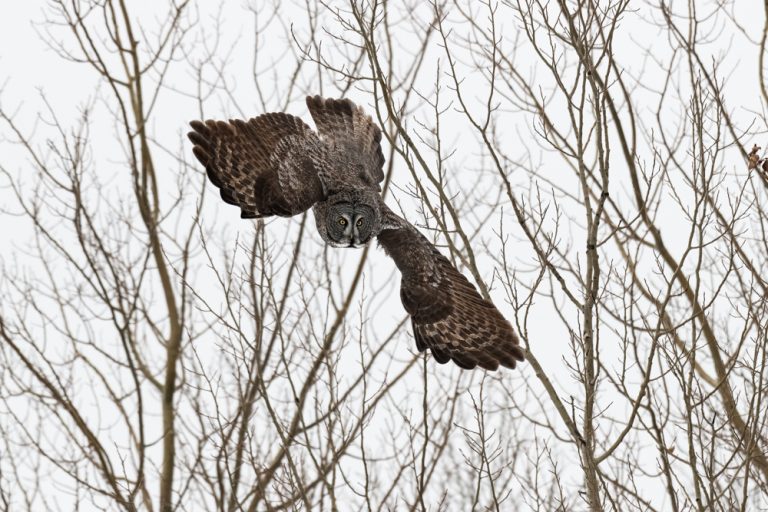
(594, 167)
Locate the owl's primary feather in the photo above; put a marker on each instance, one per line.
(448, 315)
(275, 164)
(349, 130)
(269, 165)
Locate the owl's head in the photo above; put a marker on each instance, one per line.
(351, 220)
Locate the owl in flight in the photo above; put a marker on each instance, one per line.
(275, 164)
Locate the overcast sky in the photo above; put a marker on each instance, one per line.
(28, 66)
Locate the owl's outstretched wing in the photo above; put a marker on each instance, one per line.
(343, 124)
(448, 315)
(268, 165)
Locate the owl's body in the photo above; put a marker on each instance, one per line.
(275, 164)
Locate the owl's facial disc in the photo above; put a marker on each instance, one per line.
(349, 224)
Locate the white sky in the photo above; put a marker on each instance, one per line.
(26, 65)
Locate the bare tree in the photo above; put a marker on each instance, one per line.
(594, 167)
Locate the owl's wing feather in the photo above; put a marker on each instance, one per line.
(268, 165)
(342, 123)
(448, 315)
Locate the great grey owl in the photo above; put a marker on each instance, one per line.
(275, 164)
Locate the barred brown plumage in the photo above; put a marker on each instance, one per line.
(266, 166)
(448, 315)
(275, 164)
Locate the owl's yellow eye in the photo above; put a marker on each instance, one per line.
(359, 222)
(342, 221)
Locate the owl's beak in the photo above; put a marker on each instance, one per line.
(357, 244)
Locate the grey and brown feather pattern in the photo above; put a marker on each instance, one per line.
(448, 315)
(269, 165)
(347, 128)
(275, 164)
